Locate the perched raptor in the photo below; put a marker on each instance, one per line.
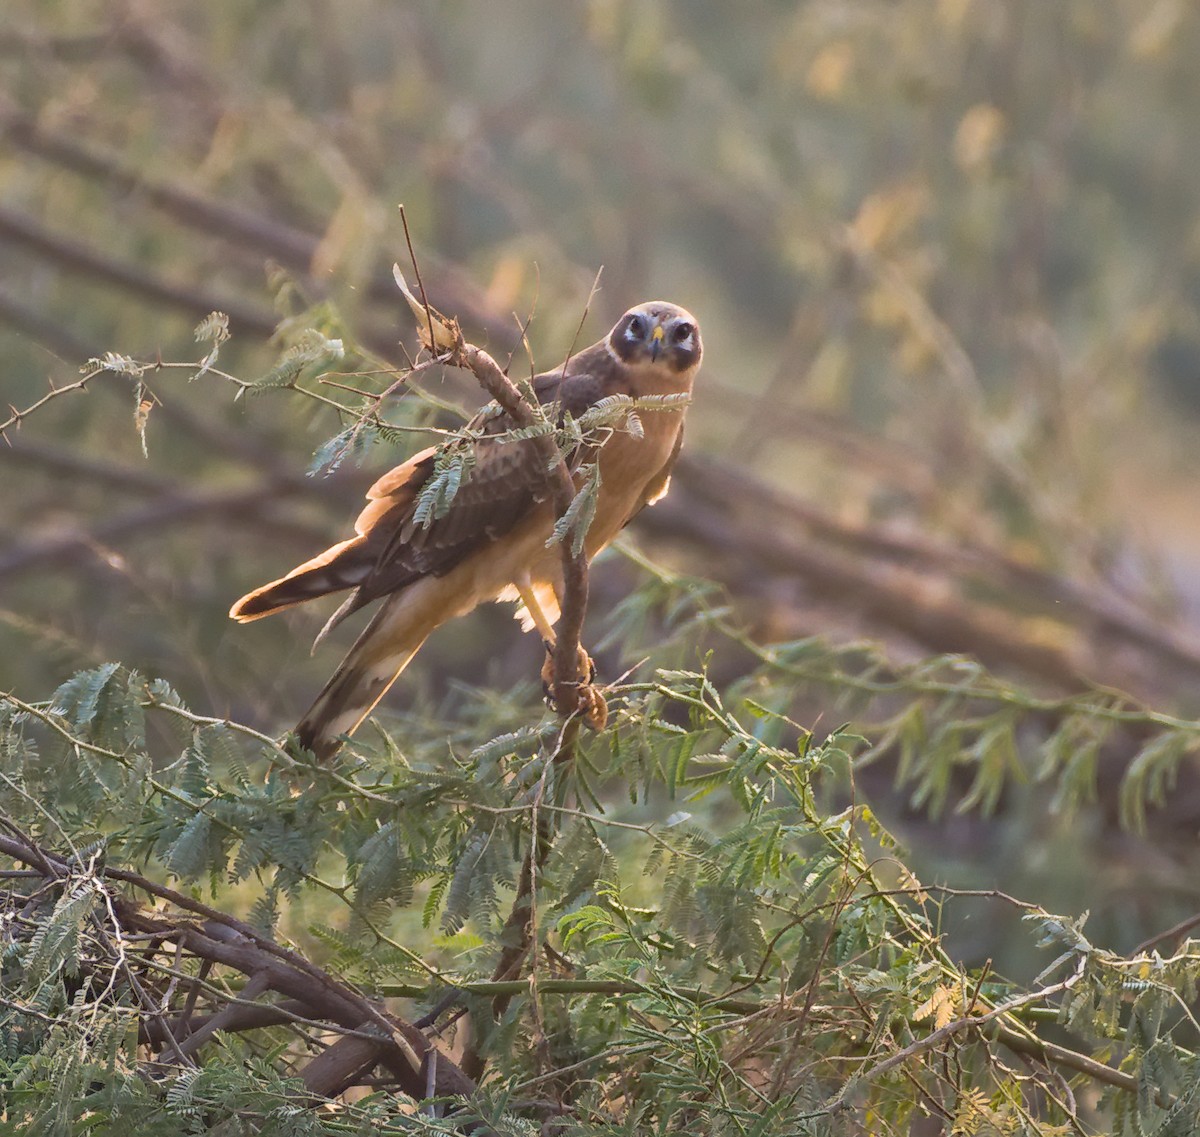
(492, 541)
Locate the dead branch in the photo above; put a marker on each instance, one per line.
(371, 1035)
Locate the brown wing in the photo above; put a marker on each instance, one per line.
(656, 488)
(503, 485)
(396, 545)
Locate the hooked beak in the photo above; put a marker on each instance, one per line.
(656, 341)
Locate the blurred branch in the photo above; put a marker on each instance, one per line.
(65, 48)
(903, 466)
(247, 505)
(454, 290)
(912, 585)
(1098, 612)
(22, 230)
(23, 450)
(37, 326)
(130, 32)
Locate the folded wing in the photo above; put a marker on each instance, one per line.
(395, 544)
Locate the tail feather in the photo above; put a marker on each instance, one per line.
(382, 651)
(346, 565)
(347, 699)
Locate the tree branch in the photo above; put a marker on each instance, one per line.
(253, 504)
(224, 940)
(518, 928)
(454, 291)
(562, 489)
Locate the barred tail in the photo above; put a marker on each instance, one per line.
(383, 650)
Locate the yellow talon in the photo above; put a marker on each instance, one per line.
(592, 705)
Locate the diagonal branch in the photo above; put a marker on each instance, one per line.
(518, 929)
(255, 504)
(237, 224)
(562, 489)
(21, 230)
(389, 1040)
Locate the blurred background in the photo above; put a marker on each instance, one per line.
(946, 257)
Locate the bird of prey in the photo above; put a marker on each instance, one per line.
(493, 540)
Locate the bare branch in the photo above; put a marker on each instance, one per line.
(229, 942)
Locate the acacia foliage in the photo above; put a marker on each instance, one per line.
(939, 314)
(691, 921)
(727, 939)
(928, 220)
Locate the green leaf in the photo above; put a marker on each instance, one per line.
(579, 514)
(452, 467)
(1151, 775)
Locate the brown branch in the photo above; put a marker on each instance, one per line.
(402, 1047)
(342, 1065)
(728, 488)
(69, 463)
(22, 230)
(518, 928)
(516, 937)
(18, 416)
(224, 1019)
(128, 35)
(231, 222)
(34, 323)
(175, 501)
(915, 586)
(1051, 1055)
(455, 290)
(397, 1044)
(171, 509)
(562, 489)
(1174, 932)
(990, 1025)
(903, 601)
(236, 1018)
(224, 940)
(82, 48)
(195, 300)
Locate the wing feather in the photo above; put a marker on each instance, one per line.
(505, 483)
(392, 548)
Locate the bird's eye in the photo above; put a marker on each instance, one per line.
(682, 332)
(637, 327)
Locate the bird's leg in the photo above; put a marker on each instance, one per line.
(591, 702)
(545, 628)
(540, 620)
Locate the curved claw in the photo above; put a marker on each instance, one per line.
(594, 707)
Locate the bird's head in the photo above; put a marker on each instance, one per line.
(657, 332)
